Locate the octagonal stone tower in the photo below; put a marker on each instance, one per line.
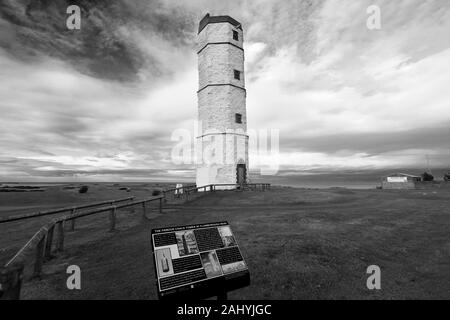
(222, 144)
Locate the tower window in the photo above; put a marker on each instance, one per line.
(235, 35)
(237, 75)
(238, 118)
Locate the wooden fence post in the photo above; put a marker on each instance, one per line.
(132, 207)
(144, 210)
(112, 219)
(49, 242)
(60, 239)
(39, 257)
(72, 222)
(10, 282)
(160, 205)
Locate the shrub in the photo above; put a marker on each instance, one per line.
(156, 192)
(447, 176)
(427, 176)
(83, 189)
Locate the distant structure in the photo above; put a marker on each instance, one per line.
(222, 144)
(400, 181)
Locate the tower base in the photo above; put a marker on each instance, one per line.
(217, 175)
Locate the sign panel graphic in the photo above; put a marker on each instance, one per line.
(201, 258)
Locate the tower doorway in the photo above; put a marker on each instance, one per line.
(241, 173)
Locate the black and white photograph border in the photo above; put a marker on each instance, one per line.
(319, 130)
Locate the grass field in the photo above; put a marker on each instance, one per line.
(14, 234)
(298, 243)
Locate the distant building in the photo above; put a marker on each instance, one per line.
(400, 181)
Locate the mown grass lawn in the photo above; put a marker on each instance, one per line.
(298, 243)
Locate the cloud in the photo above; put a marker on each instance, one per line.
(103, 102)
(68, 119)
(363, 92)
(109, 44)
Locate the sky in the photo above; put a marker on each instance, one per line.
(101, 103)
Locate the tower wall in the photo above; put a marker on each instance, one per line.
(222, 143)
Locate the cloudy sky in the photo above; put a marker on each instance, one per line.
(101, 103)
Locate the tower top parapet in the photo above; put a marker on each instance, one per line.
(207, 19)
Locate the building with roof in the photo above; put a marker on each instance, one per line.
(400, 181)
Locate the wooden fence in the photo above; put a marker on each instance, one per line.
(72, 209)
(49, 239)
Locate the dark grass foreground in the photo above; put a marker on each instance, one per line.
(298, 243)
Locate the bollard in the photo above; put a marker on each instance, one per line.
(60, 239)
(39, 258)
(112, 219)
(11, 282)
(49, 242)
(72, 223)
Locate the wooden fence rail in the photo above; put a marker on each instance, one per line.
(44, 244)
(60, 210)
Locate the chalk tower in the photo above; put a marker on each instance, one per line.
(222, 144)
